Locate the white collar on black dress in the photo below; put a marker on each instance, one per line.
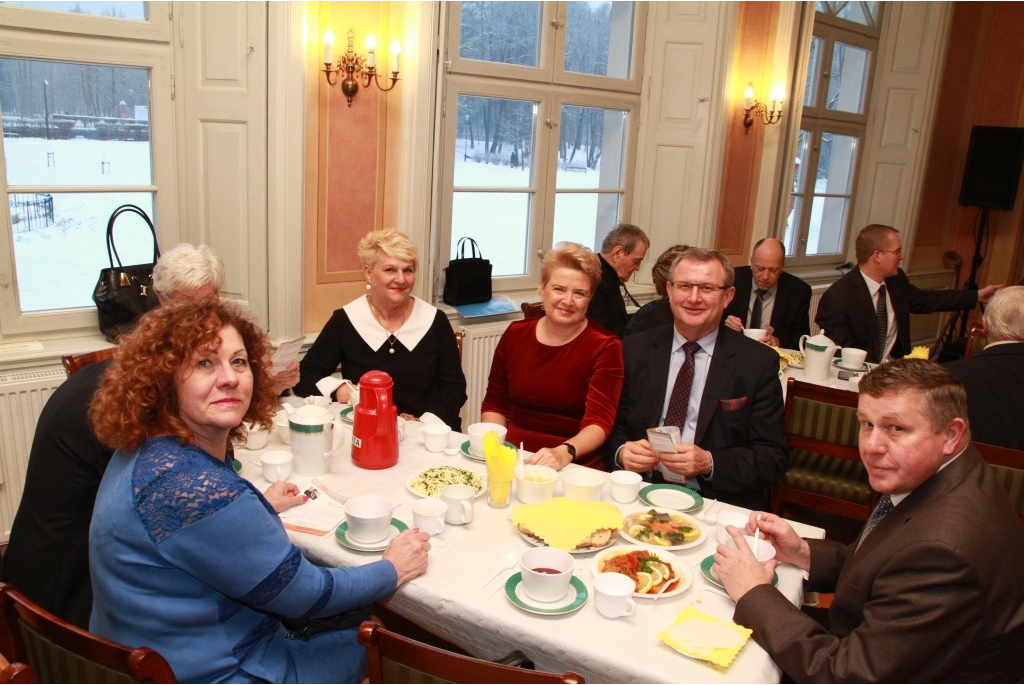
(374, 335)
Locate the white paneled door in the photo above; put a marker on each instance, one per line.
(221, 98)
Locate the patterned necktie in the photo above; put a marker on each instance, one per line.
(882, 319)
(883, 507)
(755, 313)
(676, 415)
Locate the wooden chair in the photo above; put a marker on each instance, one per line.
(459, 337)
(15, 673)
(394, 658)
(532, 310)
(825, 471)
(63, 653)
(976, 339)
(1009, 467)
(73, 362)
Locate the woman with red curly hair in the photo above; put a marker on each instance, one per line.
(189, 558)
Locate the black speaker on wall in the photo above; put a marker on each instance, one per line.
(992, 171)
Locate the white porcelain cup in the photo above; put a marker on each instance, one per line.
(318, 400)
(625, 486)
(476, 433)
(765, 551)
(547, 573)
(535, 484)
(613, 595)
(459, 499)
(369, 518)
(434, 436)
(277, 465)
(582, 483)
(255, 437)
(284, 431)
(428, 515)
(852, 358)
(755, 333)
(730, 518)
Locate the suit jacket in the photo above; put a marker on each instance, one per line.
(847, 311)
(791, 315)
(741, 411)
(48, 555)
(995, 393)
(607, 307)
(933, 594)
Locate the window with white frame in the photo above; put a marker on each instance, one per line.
(832, 131)
(539, 127)
(85, 100)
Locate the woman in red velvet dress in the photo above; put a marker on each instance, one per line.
(555, 381)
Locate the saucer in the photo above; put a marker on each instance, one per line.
(671, 497)
(464, 451)
(839, 365)
(341, 534)
(573, 600)
(346, 414)
(709, 575)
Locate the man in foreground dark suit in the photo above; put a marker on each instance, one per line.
(849, 312)
(785, 299)
(931, 591)
(622, 252)
(730, 418)
(995, 378)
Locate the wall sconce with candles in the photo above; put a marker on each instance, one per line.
(753, 109)
(357, 70)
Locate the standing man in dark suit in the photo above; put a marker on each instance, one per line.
(870, 307)
(995, 378)
(785, 300)
(622, 252)
(931, 591)
(719, 387)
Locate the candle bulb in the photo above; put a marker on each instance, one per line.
(371, 46)
(396, 51)
(749, 95)
(328, 43)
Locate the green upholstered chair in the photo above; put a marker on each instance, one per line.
(825, 471)
(1009, 467)
(59, 652)
(394, 658)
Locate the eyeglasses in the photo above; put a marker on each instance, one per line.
(898, 251)
(705, 289)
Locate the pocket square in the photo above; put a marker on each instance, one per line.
(732, 404)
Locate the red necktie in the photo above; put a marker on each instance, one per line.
(676, 415)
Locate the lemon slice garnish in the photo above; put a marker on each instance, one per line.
(644, 582)
(663, 570)
(636, 530)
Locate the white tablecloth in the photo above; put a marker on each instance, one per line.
(449, 600)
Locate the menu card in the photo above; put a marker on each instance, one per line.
(315, 517)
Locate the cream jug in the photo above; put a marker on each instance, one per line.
(818, 353)
(312, 433)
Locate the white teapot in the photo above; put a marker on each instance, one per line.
(312, 438)
(818, 353)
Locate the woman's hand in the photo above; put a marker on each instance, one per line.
(555, 457)
(282, 495)
(408, 554)
(287, 378)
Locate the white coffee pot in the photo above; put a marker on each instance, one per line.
(818, 352)
(312, 437)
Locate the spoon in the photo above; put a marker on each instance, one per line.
(508, 561)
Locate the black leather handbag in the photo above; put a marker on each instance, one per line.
(124, 293)
(467, 280)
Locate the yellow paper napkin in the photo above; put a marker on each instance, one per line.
(564, 523)
(919, 352)
(699, 635)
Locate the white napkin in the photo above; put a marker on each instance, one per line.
(328, 385)
(427, 417)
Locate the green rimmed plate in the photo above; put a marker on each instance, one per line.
(346, 415)
(341, 535)
(464, 449)
(709, 575)
(671, 496)
(573, 600)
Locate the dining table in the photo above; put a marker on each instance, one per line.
(839, 378)
(465, 596)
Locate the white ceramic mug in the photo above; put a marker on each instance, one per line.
(277, 465)
(428, 515)
(755, 333)
(459, 499)
(435, 436)
(369, 518)
(625, 486)
(547, 573)
(476, 432)
(613, 595)
(852, 358)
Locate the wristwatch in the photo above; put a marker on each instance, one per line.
(572, 450)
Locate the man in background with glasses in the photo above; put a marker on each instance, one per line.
(622, 253)
(713, 390)
(769, 298)
(870, 307)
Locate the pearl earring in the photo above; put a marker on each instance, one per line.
(367, 286)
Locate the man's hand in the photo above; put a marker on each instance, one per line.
(637, 456)
(985, 294)
(688, 460)
(738, 569)
(734, 323)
